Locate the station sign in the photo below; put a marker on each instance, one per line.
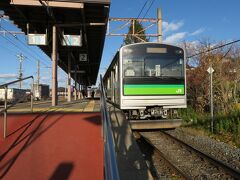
(82, 57)
(37, 39)
(72, 40)
(210, 70)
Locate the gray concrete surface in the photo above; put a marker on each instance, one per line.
(131, 163)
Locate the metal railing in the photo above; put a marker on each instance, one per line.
(110, 162)
(6, 107)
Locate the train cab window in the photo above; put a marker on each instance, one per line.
(139, 61)
(163, 67)
(133, 67)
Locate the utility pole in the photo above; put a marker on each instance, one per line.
(159, 24)
(20, 72)
(38, 80)
(38, 73)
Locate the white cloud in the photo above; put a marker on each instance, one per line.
(168, 27)
(8, 75)
(198, 31)
(174, 38)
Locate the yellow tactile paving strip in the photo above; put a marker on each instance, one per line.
(90, 106)
(46, 110)
(81, 106)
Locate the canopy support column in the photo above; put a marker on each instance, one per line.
(54, 67)
(75, 86)
(69, 78)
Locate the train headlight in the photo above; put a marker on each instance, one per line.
(179, 51)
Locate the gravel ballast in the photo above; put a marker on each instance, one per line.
(219, 150)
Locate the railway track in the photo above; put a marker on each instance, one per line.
(187, 161)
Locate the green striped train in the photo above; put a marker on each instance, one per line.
(147, 81)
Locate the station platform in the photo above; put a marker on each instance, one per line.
(65, 142)
(57, 143)
(83, 105)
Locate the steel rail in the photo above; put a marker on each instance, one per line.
(165, 158)
(110, 162)
(231, 171)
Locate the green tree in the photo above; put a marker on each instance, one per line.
(137, 36)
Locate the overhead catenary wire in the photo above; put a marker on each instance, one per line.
(142, 8)
(14, 53)
(33, 53)
(15, 36)
(22, 50)
(147, 11)
(129, 19)
(214, 48)
(145, 14)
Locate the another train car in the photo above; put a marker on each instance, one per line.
(41, 91)
(148, 82)
(13, 95)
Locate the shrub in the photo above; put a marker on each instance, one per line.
(223, 123)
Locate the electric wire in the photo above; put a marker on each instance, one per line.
(26, 57)
(22, 50)
(15, 37)
(15, 53)
(121, 26)
(27, 52)
(214, 48)
(33, 53)
(147, 11)
(142, 9)
(30, 50)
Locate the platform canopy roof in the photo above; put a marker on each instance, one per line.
(87, 18)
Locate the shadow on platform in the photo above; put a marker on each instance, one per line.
(29, 139)
(130, 161)
(32, 130)
(63, 171)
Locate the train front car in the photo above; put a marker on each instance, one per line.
(153, 84)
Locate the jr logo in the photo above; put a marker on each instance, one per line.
(179, 91)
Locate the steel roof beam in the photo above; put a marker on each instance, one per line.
(75, 5)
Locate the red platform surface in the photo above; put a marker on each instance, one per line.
(52, 146)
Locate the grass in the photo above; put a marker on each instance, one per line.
(226, 126)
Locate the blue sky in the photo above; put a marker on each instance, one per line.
(185, 20)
